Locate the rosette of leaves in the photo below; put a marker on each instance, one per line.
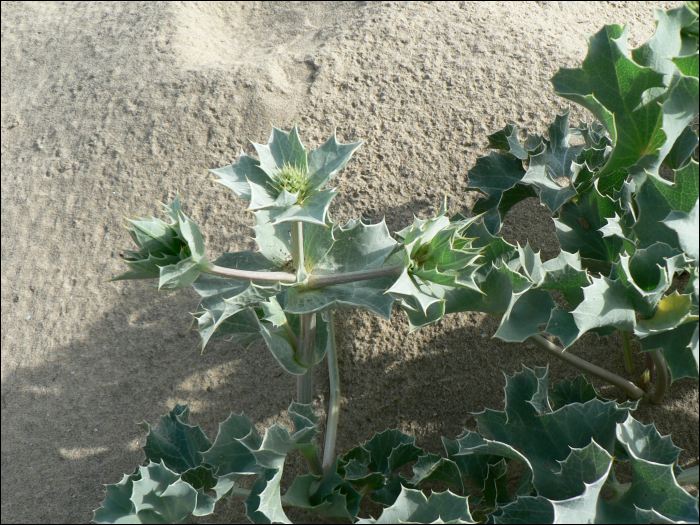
(287, 181)
(572, 444)
(438, 257)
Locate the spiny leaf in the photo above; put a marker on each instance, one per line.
(413, 507)
(578, 225)
(223, 298)
(154, 495)
(654, 493)
(328, 496)
(525, 314)
(657, 199)
(326, 161)
(610, 84)
(673, 329)
(553, 170)
(686, 226)
(174, 441)
(436, 468)
(606, 303)
(543, 436)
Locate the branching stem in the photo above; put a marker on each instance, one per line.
(314, 281)
(334, 401)
(632, 390)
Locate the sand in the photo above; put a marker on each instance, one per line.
(110, 107)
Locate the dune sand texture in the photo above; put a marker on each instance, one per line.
(109, 107)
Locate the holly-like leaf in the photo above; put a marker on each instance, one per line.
(174, 441)
(433, 467)
(673, 329)
(525, 315)
(615, 89)
(223, 298)
(606, 303)
(567, 392)
(154, 495)
(495, 208)
(328, 496)
(264, 505)
(654, 494)
(412, 506)
(684, 146)
(181, 275)
(686, 226)
(578, 225)
(529, 432)
(553, 170)
(657, 199)
(326, 161)
(495, 174)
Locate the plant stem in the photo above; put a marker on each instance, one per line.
(298, 247)
(267, 277)
(334, 401)
(319, 281)
(314, 281)
(306, 351)
(627, 350)
(661, 377)
(307, 340)
(307, 329)
(632, 390)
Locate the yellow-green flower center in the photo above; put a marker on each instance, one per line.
(293, 179)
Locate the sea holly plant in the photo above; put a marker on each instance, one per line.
(625, 231)
(572, 447)
(626, 235)
(306, 265)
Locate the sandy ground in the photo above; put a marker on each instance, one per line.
(109, 107)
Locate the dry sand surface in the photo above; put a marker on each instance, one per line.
(110, 107)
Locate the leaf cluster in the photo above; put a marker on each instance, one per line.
(569, 441)
(625, 232)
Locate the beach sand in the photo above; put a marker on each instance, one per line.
(108, 108)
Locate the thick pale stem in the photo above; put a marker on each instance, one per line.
(314, 281)
(632, 390)
(318, 281)
(306, 351)
(298, 247)
(334, 401)
(265, 277)
(307, 339)
(661, 377)
(307, 329)
(627, 350)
